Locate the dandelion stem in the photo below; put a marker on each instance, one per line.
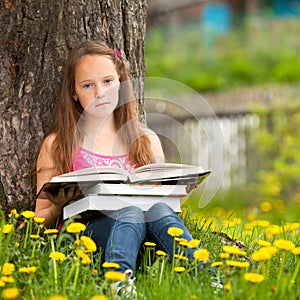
(76, 275)
(54, 264)
(280, 271)
(173, 256)
(294, 276)
(27, 233)
(161, 271)
(70, 273)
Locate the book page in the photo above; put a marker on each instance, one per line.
(159, 167)
(96, 170)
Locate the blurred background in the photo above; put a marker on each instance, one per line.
(243, 58)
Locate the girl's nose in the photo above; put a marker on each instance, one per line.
(99, 91)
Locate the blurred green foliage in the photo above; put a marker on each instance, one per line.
(276, 152)
(277, 147)
(260, 52)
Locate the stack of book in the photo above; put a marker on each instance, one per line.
(112, 188)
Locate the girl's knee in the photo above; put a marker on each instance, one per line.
(131, 214)
(158, 211)
(161, 208)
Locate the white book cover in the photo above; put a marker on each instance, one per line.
(137, 189)
(114, 202)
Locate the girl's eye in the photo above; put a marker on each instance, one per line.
(108, 81)
(87, 85)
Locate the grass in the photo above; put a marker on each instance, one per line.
(41, 264)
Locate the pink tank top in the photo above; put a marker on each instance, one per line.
(83, 158)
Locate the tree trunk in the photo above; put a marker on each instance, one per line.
(36, 36)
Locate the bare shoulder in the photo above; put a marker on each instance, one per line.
(156, 146)
(48, 141)
(45, 159)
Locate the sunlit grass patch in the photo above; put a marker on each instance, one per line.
(253, 256)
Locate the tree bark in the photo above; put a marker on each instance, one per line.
(36, 36)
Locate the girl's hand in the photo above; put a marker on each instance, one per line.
(191, 186)
(64, 195)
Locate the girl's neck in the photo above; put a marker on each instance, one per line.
(94, 126)
(101, 136)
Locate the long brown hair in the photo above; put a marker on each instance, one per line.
(69, 111)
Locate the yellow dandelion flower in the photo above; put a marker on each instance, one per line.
(7, 228)
(99, 297)
(265, 206)
(85, 259)
(114, 276)
(217, 264)
(192, 297)
(273, 230)
(183, 242)
(228, 287)
(251, 217)
(248, 232)
(110, 265)
(7, 279)
(238, 264)
(88, 243)
(27, 270)
(193, 243)
(39, 220)
(175, 231)
(180, 257)
(224, 255)
(75, 227)
(95, 272)
(34, 236)
(161, 253)
(249, 226)
(180, 240)
(296, 251)
(261, 223)
(263, 243)
(51, 231)
(58, 297)
(201, 255)
(284, 244)
(11, 294)
(149, 244)
(2, 283)
(233, 250)
(270, 249)
(58, 256)
(27, 214)
(254, 277)
(232, 222)
(260, 255)
(7, 269)
(294, 226)
(179, 269)
(13, 213)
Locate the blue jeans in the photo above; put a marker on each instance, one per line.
(121, 233)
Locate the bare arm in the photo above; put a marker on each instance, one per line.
(156, 146)
(45, 171)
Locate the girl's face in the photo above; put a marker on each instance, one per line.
(97, 85)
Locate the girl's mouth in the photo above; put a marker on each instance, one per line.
(101, 104)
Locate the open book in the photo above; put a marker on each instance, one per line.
(152, 174)
(156, 172)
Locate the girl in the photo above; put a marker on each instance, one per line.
(96, 124)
